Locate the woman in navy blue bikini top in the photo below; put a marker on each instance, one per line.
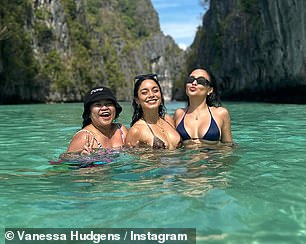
(203, 119)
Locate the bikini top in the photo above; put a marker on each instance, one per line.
(99, 144)
(212, 134)
(157, 143)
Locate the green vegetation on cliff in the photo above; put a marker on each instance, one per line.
(56, 50)
(238, 25)
(17, 64)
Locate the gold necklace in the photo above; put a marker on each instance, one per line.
(161, 126)
(197, 115)
(157, 123)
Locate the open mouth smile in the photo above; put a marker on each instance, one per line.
(152, 101)
(105, 114)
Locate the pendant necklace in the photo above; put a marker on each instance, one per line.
(160, 126)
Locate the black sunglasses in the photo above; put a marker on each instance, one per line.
(200, 80)
(146, 77)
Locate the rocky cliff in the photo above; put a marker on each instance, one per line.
(55, 50)
(257, 48)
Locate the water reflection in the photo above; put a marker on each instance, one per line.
(151, 173)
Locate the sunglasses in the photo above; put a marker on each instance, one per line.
(200, 80)
(145, 77)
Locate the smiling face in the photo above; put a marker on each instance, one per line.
(149, 95)
(102, 112)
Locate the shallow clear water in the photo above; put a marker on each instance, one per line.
(254, 193)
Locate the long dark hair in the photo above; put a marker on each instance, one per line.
(138, 113)
(213, 99)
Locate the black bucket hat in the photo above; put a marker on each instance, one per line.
(97, 94)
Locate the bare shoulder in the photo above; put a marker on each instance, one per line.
(179, 111)
(81, 135)
(169, 119)
(136, 134)
(178, 114)
(136, 130)
(220, 111)
(78, 141)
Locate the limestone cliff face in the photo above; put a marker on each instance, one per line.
(74, 45)
(256, 48)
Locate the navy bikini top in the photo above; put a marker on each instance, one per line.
(212, 134)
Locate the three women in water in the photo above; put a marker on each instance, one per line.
(203, 120)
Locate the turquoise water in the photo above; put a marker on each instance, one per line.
(254, 193)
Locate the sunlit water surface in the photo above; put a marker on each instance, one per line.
(253, 193)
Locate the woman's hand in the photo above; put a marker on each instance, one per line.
(88, 146)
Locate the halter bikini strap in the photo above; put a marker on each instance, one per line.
(121, 132)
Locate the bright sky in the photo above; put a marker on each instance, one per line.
(179, 19)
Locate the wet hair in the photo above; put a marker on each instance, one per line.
(138, 112)
(214, 98)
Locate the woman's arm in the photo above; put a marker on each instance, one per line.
(226, 131)
(170, 120)
(133, 137)
(82, 142)
(177, 117)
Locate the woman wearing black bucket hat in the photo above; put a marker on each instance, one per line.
(99, 130)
